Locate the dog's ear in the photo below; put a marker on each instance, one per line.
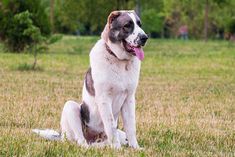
(113, 15)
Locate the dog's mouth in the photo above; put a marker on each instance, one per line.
(134, 50)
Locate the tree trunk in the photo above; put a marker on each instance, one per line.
(206, 20)
(35, 57)
(52, 2)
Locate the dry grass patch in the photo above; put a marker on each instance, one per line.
(185, 99)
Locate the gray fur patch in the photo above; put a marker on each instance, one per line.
(89, 83)
(85, 113)
(121, 27)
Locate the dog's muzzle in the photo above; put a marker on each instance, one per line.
(142, 39)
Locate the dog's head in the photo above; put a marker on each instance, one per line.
(123, 28)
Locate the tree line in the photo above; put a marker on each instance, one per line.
(161, 18)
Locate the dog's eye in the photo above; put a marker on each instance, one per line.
(128, 25)
(139, 23)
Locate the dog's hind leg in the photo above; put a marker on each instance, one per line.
(71, 124)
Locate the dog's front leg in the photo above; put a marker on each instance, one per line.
(128, 116)
(110, 125)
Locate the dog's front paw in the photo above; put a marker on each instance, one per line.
(82, 143)
(135, 145)
(115, 142)
(139, 148)
(116, 145)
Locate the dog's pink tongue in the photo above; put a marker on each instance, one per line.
(139, 53)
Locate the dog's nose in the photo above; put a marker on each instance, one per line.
(143, 39)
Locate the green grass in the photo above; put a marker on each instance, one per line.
(185, 99)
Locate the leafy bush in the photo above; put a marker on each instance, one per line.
(18, 16)
(24, 34)
(19, 35)
(231, 26)
(152, 22)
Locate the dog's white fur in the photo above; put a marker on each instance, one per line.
(115, 83)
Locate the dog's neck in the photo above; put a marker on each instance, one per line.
(110, 51)
(117, 51)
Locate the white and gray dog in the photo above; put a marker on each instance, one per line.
(109, 88)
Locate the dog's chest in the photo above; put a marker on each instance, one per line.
(124, 77)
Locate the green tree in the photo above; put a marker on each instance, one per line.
(38, 42)
(203, 19)
(87, 17)
(12, 28)
(32, 32)
(152, 22)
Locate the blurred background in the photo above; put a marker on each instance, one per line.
(201, 19)
(186, 93)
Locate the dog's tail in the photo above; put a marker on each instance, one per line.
(48, 134)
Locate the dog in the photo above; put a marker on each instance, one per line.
(109, 88)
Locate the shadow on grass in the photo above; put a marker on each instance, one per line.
(28, 67)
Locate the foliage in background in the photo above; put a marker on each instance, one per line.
(18, 16)
(32, 37)
(192, 13)
(65, 16)
(231, 26)
(31, 32)
(152, 22)
(85, 17)
(161, 18)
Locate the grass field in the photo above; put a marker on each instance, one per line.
(185, 99)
